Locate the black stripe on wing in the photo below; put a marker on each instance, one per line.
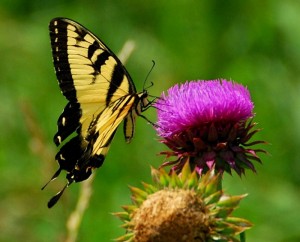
(116, 80)
(100, 58)
(59, 39)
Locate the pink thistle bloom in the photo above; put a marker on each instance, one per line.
(208, 123)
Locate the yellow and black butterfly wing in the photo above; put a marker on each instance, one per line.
(101, 95)
(99, 138)
(89, 75)
(98, 142)
(109, 120)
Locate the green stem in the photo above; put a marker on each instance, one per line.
(243, 237)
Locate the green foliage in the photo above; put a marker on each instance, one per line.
(252, 42)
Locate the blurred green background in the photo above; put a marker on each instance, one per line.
(254, 42)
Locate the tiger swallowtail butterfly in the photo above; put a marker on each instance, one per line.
(100, 94)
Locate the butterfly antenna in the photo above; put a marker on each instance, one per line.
(55, 198)
(151, 84)
(153, 96)
(56, 174)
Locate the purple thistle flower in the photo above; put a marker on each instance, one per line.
(208, 123)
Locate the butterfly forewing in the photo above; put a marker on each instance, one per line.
(101, 95)
(87, 71)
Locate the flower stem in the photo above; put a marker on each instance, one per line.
(243, 237)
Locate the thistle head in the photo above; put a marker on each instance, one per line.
(208, 124)
(182, 208)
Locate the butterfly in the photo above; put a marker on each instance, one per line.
(100, 94)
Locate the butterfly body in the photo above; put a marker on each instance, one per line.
(100, 94)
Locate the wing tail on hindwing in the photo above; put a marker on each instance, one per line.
(100, 96)
(97, 144)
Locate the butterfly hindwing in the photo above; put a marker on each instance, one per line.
(101, 95)
(110, 119)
